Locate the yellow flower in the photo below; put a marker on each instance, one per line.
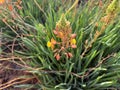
(73, 41)
(49, 44)
(112, 7)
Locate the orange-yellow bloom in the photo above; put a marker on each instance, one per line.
(73, 41)
(49, 44)
(60, 34)
(53, 41)
(2, 1)
(10, 7)
(63, 31)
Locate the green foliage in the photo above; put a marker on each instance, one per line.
(95, 63)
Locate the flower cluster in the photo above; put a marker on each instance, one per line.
(8, 11)
(65, 40)
(2, 1)
(110, 14)
(9, 5)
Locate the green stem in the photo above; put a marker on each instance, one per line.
(75, 3)
(40, 8)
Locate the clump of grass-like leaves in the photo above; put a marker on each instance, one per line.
(65, 45)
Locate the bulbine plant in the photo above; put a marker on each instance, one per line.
(65, 44)
(63, 31)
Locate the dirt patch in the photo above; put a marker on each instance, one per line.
(10, 75)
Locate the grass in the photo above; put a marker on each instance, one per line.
(88, 61)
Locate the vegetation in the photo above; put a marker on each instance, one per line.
(64, 44)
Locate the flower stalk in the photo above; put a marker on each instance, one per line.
(66, 40)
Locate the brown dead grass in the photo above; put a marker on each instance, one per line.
(10, 75)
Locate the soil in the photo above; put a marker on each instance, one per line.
(8, 72)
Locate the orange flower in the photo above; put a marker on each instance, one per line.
(63, 31)
(51, 43)
(10, 7)
(60, 34)
(2, 1)
(106, 19)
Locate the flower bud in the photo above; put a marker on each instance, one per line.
(55, 32)
(73, 46)
(70, 55)
(62, 48)
(57, 57)
(66, 54)
(73, 35)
